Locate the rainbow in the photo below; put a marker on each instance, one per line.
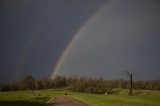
(35, 34)
(74, 39)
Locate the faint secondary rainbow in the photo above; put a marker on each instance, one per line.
(73, 40)
(34, 34)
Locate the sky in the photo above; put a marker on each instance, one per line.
(94, 38)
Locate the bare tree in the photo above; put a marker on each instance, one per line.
(130, 75)
(28, 83)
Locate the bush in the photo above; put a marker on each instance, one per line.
(86, 85)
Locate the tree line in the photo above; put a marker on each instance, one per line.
(78, 84)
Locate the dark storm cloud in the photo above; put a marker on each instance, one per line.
(124, 35)
(34, 33)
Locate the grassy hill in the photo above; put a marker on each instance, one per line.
(118, 98)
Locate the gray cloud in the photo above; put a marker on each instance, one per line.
(123, 35)
(33, 34)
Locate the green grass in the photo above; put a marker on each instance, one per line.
(119, 98)
(27, 98)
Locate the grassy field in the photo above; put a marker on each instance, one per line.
(28, 98)
(119, 98)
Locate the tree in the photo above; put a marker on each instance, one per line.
(60, 82)
(130, 75)
(28, 83)
(0, 87)
(5, 87)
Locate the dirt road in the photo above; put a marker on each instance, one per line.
(67, 101)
